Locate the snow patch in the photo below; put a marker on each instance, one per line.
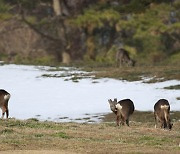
(54, 98)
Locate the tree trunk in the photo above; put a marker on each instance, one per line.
(57, 7)
(66, 58)
(60, 9)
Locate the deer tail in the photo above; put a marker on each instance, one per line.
(165, 109)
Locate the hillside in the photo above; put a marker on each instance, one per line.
(32, 32)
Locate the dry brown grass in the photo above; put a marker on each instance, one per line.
(36, 152)
(159, 73)
(86, 138)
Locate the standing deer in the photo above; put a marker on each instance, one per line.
(161, 113)
(122, 58)
(4, 98)
(123, 109)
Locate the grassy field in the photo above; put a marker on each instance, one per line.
(32, 136)
(157, 73)
(153, 73)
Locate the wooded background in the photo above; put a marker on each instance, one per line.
(65, 31)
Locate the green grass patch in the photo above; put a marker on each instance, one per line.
(31, 124)
(159, 73)
(61, 135)
(142, 117)
(33, 119)
(176, 87)
(5, 16)
(7, 131)
(154, 141)
(13, 142)
(39, 135)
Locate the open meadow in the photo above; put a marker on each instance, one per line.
(32, 136)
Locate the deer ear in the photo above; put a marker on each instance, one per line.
(115, 99)
(110, 101)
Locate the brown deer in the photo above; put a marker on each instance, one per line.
(4, 98)
(123, 59)
(123, 109)
(161, 114)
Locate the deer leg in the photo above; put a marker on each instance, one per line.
(117, 63)
(156, 122)
(162, 124)
(122, 120)
(3, 113)
(7, 113)
(118, 120)
(5, 110)
(165, 124)
(127, 122)
(120, 62)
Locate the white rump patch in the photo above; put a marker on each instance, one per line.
(7, 97)
(164, 106)
(118, 106)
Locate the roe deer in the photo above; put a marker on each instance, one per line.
(122, 58)
(123, 109)
(4, 98)
(161, 114)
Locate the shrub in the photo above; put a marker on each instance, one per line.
(4, 7)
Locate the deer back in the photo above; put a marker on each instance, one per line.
(127, 107)
(122, 55)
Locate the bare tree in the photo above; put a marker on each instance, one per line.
(61, 40)
(60, 8)
(57, 7)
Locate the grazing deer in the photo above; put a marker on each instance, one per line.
(161, 113)
(123, 109)
(4, 98)
(122, 58)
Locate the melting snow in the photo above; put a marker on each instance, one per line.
(55, 99)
